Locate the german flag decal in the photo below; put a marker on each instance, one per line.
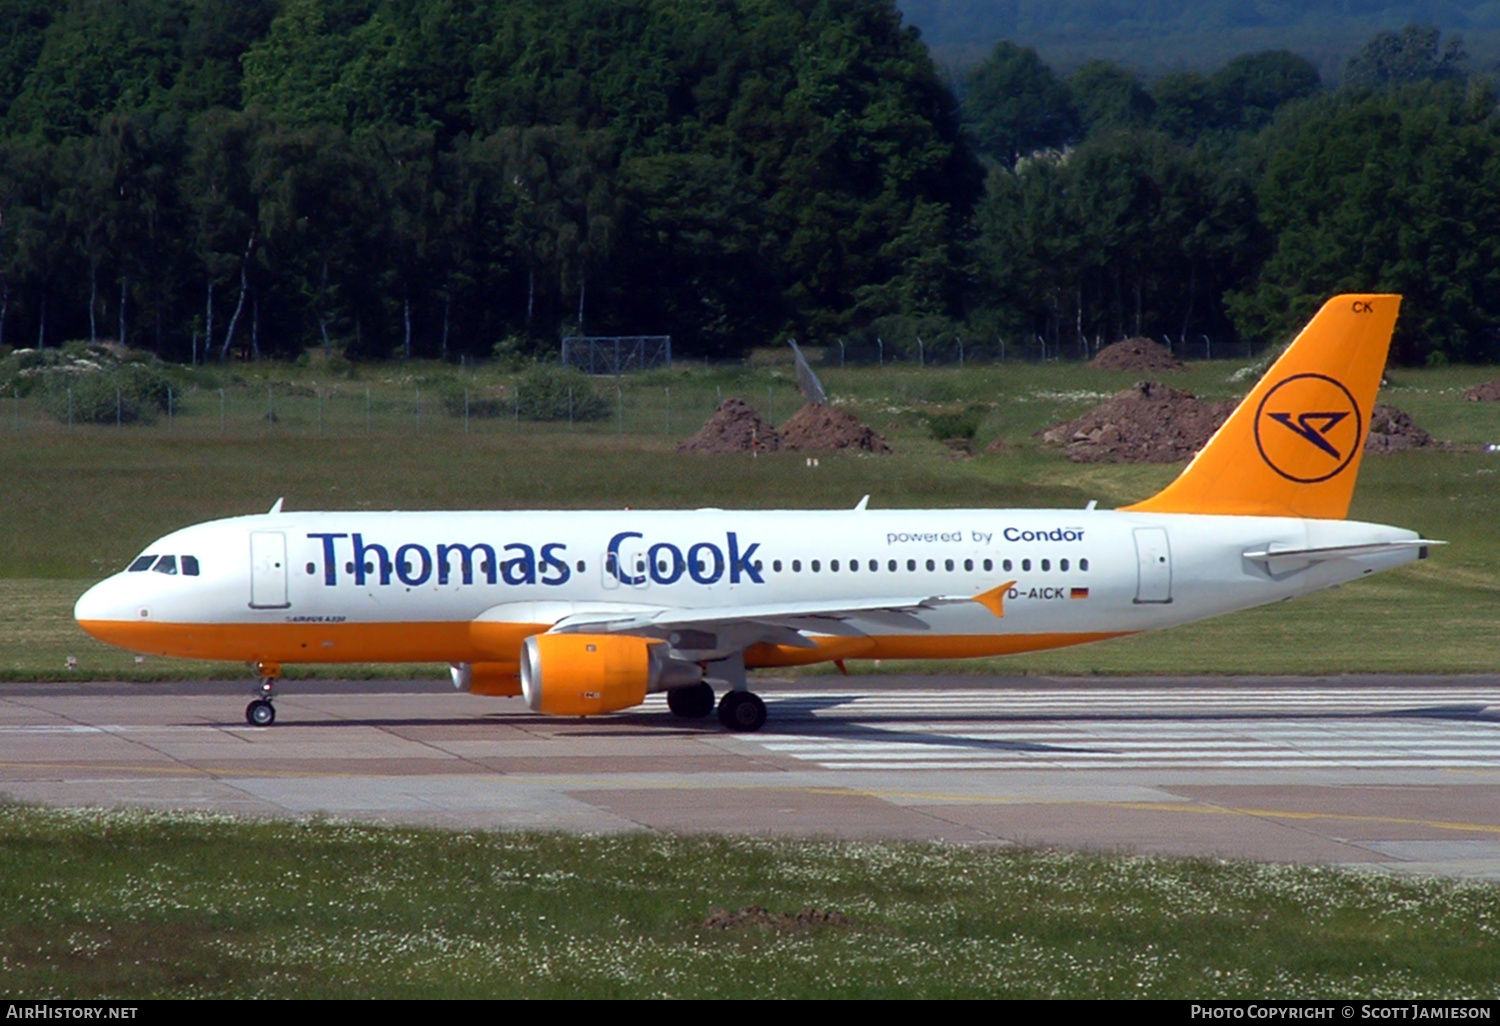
(1078, 593)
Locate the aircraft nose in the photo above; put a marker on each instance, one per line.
(102, 604)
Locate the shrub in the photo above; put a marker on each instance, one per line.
(546, 391)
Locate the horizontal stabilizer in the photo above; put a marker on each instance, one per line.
(1321, 553)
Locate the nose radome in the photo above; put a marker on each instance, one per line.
(101, 602)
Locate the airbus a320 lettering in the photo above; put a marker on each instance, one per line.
(588, 612)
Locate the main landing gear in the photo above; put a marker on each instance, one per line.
(742, 711)
(261, 713)
(692, 702)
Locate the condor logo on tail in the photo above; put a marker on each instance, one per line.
(1308, 428)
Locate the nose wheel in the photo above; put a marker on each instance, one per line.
(260, 713)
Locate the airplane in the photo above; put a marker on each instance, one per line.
(585, 613)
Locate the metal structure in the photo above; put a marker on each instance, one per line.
(617, 354)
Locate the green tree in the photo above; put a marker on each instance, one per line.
(1014, 104)
(1397, 190)
(1400, 58)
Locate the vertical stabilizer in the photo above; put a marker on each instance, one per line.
(1293, 446)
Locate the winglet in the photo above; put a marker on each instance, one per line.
(1292, 448)
(994, 599)
(859, 507)
(277, 507)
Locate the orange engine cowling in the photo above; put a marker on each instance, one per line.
(494, 679)
(586, 674)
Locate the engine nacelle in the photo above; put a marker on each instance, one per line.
(493, 679)
(587, 674)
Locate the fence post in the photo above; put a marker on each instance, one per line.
(841, 354)
(880, 342)
(921, 353)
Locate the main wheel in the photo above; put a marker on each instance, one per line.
(260, 713)
(693, 702)
(742, 712)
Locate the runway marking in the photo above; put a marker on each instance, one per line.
(1136, 728)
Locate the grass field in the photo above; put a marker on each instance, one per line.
(135, 905)
(83, 500)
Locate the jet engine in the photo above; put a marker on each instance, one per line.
(586, 674)
(495, 679)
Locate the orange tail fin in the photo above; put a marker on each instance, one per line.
(1293, 446)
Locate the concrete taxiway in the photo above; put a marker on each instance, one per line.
(1392, 772)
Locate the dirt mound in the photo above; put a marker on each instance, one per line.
(1146, 423)
(1485, 393)
(734, 427)
(1392, 430)
(755, 915)
(1135, 354)
(828, 427)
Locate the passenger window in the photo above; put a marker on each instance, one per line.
(141, 563)
(1025, 564)
(190, 565)
(349, 567)
(911, 564)
(948, 564)
(815, 566)
(874, 564)
(931, 565)
(989, 564)
(1083, 564)
(776, 565)
(312, 568)
(582, 566)
(1007, 566)
(891, 566)
(166, 565)
(854, 566)
(1062, 565)
(1046, 564)
(968, 564)
(796, 566)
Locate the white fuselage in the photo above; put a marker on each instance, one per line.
(468, 587)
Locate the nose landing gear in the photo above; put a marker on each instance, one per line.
(260, 712)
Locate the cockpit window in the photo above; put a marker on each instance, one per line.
(166, 565)
(141, 563)
(190, 565)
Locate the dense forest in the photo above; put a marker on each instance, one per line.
(223, 178)
(1158, 36)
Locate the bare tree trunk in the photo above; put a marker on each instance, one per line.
(208, 336)
(124, 282)
(406, 322)
(322, 315)
(583, 287)
(255, 325)
(93, 297)
(240, 303)
(41, 328)
(447, 308)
